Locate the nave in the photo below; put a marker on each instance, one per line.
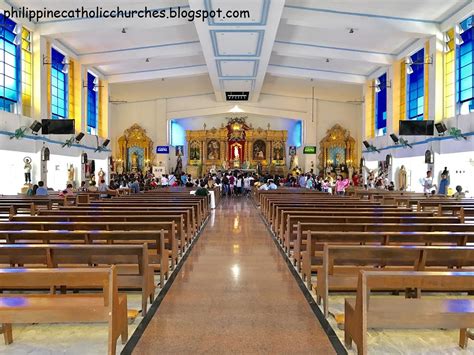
(234, 294)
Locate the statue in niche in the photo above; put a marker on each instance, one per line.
(213, 150)
(194, 151)
(134, 160)
(236, 153)
(278, 152)
(259, 150)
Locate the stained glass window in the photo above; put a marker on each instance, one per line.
(92, 102)
(58, 85)
(415, 86)
(381, 106)
(464, 66)
(9, 64)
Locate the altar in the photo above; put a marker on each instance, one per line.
(236, 145)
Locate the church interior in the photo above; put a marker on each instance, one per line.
(221, 176)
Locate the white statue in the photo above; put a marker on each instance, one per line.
(236, 152)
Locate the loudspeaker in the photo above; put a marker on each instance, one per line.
(388, 160)
(362, 162)
(79, 137)
(106, 143)
(441, 127)
(394, 138)
(35, 127)
(84, 158)
(366, 144)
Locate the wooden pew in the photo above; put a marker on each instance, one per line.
(343, 211)
(342, 263)
(392, 312)
(288, 232)
(190, 218)
(120, 214)
(275, 216)
(311, 258)
(302, 228)
(170, 225)
(131, 261)
(158, 258)
(107, 306)
(196, 205)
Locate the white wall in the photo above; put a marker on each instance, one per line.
(12, 152)
(151, 106)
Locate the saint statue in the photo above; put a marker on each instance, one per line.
(27, 169)
(134, 161)
(70, 174)
(236, 152)
(101, 174)
(402, 178)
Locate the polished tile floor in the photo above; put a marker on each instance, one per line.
(234, 294)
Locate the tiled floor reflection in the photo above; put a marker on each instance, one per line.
(234, 294)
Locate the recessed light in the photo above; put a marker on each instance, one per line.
(124, 30)
(327, 60)
(147, 60)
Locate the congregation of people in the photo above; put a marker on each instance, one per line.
(237, 183)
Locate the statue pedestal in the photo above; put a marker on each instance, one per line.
(25, 188)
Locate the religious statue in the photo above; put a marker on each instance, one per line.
(179, 166)
(101, 174)
(70, 174)
(224, 165)
(119, 168)
(259, 150)
(246, 165)
(402, 178)
(27, 169)
(194, 151)
(213, 150)
(236, 153)
(134, 160)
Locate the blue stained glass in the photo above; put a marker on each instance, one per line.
(91, 104)
(415, 83)
(58, 85)
(381, 106)
(9, 65)
(464, 63)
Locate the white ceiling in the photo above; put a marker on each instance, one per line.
(289, 39)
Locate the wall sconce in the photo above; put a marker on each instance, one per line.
(96, 84)
(409, 63)
(64, 63)
(378, 86)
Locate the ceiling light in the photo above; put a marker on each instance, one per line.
(327, 60)
(96, 80)
(409, 69)
(124, 30)
(147, 60)
(236, 109)
(408, 61)
(377, 82)
(377, 89)
(459, 29)
(351, 30)
(459, 39)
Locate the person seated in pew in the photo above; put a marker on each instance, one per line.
(92, 187)
(459, 194)
(69, 191)
(41, 190)
(32, 190)
(103, 189)
(202, 191)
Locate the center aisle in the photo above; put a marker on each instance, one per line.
(234, 294)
